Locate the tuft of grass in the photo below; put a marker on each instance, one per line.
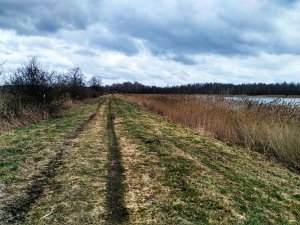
(272, 129)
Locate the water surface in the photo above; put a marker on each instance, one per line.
(278, 100)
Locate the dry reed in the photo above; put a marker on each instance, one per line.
(26, 115)
(13, 113)
(272, 128)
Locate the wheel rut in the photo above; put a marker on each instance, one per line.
(117, 212)
(16, 210)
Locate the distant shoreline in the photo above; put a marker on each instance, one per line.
(259, 96)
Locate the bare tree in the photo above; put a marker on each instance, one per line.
(32, 83)
(95, 85)
(75, 83)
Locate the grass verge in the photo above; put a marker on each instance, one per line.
(123, 165)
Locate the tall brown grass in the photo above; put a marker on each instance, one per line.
(272, 128)
(18, 114)
(14, 113)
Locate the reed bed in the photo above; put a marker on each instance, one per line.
(272, 128)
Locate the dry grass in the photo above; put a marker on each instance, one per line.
(15, 114)
(269, 128)
(26, 115)
(172, 175)
(199, 180)
(144, 192)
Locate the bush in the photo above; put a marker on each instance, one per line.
(75, 84)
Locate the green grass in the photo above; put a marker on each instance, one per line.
(208, 181)
(35, 142)
(77, 194)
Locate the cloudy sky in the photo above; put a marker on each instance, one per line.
(163, 42)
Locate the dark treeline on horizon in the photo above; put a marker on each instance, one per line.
(208, 88)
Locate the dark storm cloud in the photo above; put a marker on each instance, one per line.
(118, 43)
(39, 16)
(225, 28)
(181, 27)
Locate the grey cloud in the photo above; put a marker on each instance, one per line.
(119, 43)
(36, 17)
(181, 27)
(222, 30)
(173, 33)
(85, 52)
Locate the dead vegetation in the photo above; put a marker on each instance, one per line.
(33, 93)
(272, 129)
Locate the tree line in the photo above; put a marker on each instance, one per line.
(208, 88)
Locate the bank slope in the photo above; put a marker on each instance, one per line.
(175, 176)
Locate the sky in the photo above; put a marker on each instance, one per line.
(165, 42)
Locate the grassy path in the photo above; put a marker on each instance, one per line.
(30, 156)
(77, 193)
(114, 163)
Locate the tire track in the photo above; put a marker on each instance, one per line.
(15, 211)
(117, 212)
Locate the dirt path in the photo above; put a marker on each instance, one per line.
(77, 193)
(117, 212)
(82, 178)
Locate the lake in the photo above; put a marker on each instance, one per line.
(265, 99)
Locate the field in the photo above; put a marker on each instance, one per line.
(112, 162)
